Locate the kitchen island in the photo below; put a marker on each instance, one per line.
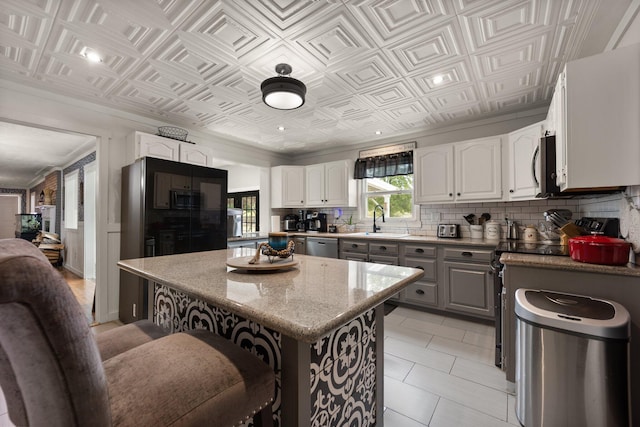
(319, 325)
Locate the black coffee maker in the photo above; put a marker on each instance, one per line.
(316, 222)
(302, 221)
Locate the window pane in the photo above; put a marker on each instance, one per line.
(393, 193)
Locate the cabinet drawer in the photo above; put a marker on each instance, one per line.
(354, 246)
(383, 259)
(353, 256)
(469, 254)
(427, 265)
(419, 251)
(422, 293)
(390, 249)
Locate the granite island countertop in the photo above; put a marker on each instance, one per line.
(566, 263)
(305, 302)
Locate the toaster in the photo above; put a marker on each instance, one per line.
(451, 231)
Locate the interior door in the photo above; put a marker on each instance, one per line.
(9, 207)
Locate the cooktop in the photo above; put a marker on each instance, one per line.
(537, 248)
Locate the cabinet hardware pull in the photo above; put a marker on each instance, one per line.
(510, 191)
(383, 248)
(458, 194)
(465, 253)
(420, 250)
(353, 245)
(419, 292)
(450, 194)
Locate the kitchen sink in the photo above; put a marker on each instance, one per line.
(379, 235)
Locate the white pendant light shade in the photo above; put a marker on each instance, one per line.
(283, 92)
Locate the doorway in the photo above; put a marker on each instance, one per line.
(9, 207)
(90, 181)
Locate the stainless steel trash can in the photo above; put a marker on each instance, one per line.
(572, 360)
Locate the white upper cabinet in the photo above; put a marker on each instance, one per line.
(596, 108)
(524, 162)
(196, 155)
(464, 171)
(478, 169)
(148, 145)
(433, 174)
(287, 186)
(330, 184)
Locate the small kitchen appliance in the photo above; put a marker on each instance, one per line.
(290, 222)
(234, 222)
(302, 221)
(450, 231)
(316, 222)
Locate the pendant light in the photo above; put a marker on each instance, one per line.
(283, 92)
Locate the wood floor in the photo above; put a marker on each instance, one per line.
(84, 290)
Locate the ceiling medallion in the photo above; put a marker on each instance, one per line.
(283, 92)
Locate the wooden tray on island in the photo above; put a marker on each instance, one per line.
(263, 264)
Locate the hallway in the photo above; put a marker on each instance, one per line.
(84, 290)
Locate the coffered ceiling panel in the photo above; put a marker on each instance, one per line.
(368, 64)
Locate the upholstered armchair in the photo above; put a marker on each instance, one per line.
(54, 372)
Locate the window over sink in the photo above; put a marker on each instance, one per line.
(395, 195)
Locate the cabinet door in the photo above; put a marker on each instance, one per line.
(478, 169)
(315, 189)
(468, 288)
(148, 145)
(433, 173)
(196, 155)
(559, 108)
(287, 186)
(524, 162)
(336, 183)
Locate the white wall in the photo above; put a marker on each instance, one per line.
(41, 109)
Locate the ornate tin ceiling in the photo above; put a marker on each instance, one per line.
(368, 64)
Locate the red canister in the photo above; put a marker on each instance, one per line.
(599, 250)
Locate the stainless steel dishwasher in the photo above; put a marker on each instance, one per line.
(319, 246)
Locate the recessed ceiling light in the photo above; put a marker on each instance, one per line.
(281, 128)
(438, 79)
(378, 132)
(91, 55)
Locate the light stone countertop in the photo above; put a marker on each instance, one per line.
(402, 238)
(305, 303)
(566, 263)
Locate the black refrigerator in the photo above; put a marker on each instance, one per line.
(167, 208)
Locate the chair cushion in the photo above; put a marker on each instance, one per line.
(185, 379)
(123, 338)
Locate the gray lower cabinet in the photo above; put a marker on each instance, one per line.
(424, 292)
(468, 283)
(355, 250)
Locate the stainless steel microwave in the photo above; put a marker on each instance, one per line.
(185, 199)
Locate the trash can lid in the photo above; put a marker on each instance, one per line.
(576, 313)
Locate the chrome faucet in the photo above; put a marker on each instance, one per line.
(376, 228)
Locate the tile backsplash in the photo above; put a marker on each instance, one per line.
(524, 212)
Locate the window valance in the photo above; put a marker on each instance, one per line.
(387, 165)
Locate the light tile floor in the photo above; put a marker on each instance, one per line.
(439, 372)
